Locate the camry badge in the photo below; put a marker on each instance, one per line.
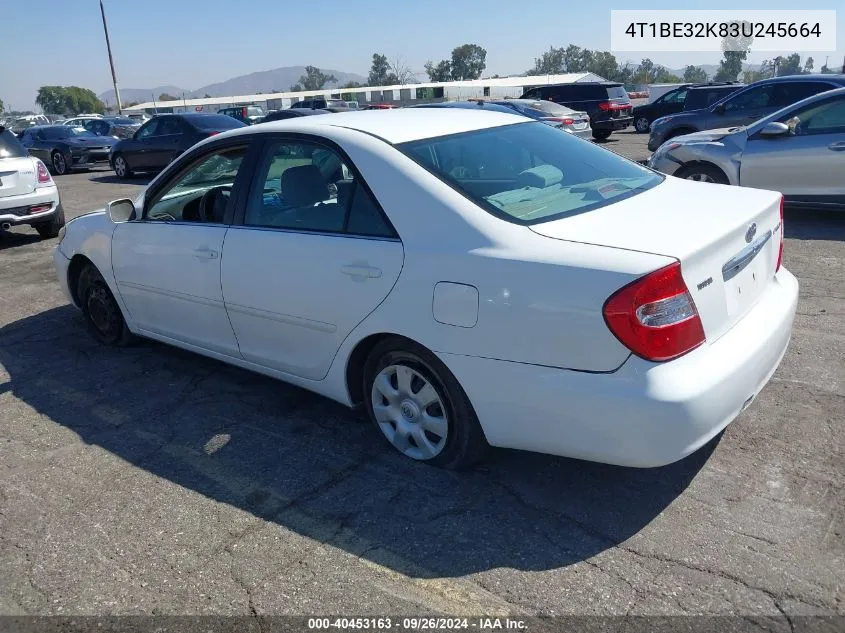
(751, 232)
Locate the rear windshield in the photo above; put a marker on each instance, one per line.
(215, 122)
(549, 108)
(531, 172)
(616, 92)
(255, 111)
(10, 146)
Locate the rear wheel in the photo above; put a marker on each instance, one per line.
(51, 227)
(121, 167)
(102, 314)
(601, 135)
(58, 163)
(703, 173)
(641, 124)
(419, 406)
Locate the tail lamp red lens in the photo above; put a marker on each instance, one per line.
(42, 173)
(655, 316)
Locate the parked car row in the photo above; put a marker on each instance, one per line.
(684, 97)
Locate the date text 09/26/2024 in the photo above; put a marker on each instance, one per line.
(415, 624)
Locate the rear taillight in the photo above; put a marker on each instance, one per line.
(559, 120)
(38, 208)
(780, 248)
(605, 106)
(43, 175)
(243, 112)
(655, 316)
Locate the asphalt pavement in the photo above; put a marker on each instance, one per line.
(149, 480)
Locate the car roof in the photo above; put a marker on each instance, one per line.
(839, 79)
(471, 105)
(400, 125)
(606, 84)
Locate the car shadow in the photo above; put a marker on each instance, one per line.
(814, 224)
(112, 179)
(308, 464)
(13, 239)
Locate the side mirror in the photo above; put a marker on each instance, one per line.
(719, 109)
(775, 128)
(121, 210)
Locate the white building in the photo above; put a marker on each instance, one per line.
(498, 87)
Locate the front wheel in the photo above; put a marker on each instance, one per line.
(51, 227)
(102, 314)
(601, 135)
(641, 124)
(59, 163)
(419, 406)
(703, 173)
(121, 167)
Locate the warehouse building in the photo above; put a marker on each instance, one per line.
(409, 94)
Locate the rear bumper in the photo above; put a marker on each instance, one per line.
(612, 125)
(16, 209)
(643, 415)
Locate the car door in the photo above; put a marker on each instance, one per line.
(746, 106)
(672, 102)
(137, 151)
(167, 262)
(164, 147)
(807, 164)
(310, 257)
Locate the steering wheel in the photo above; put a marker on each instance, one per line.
(209, 201)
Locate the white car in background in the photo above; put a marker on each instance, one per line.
(469, 277)
(28, 195)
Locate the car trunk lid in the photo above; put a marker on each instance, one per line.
(17, 176)
(726, 239)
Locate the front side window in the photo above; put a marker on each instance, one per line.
(530, 172)
(150, 129)
(759, 97)
(168, 126)
(824, 117)
(307, 187)
(201, 193)
(676, 96)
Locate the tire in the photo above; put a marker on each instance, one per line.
(58, 163)
(121, 167)
(423, 411)
(642, 124)
(102, 314)
(703, 172)
(51, 228)
(601, 135)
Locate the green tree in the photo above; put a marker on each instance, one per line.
(313, 79)
(604, 64)
(68, 100)
(166, 97)
(735, 51)
(352, 84)
(695, 74)
(468, 61)
(380, 74)
(442, 71)
(206, 96)
(808, 65)
(790, 65)
(2, 107)
(549, 63)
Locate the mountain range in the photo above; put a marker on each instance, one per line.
(276, 80)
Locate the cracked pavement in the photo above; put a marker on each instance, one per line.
(149, 480)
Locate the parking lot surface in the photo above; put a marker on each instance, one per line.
(149, 480)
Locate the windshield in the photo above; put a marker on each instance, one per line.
(122, 121)
(65, 131)
(10, 146)
(255, 111)
(531, 172)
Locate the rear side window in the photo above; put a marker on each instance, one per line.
(10, 146)
(530, 172)
(549, 108)
(215, 122)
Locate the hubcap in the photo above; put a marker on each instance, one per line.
(120, 166)
(409, 412)
(100, 309)
(699, 177)
(59, 163)
(642, 124)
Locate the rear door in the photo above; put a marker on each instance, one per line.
(747, 106)
(809, 163)
(312, 256)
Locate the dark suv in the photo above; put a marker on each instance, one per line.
(606, 102)
(743, 107)
(675, 101)
(321, 103)
(245, 114)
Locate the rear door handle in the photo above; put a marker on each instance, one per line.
(356, 270)
(205, 253)
(839, 146)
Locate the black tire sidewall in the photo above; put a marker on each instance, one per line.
(714, 172)
(51, 228)
(126, 171)
(53, 164)
(90, 280)
(642, 118)
(601, 136)
(465, 442)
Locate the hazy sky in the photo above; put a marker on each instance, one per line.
(191, 43)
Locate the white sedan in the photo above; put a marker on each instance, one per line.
(471, 278)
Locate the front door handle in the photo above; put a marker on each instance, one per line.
(839, 146)
(357, 270)
(205, 253)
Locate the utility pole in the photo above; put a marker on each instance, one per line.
(111, 61)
